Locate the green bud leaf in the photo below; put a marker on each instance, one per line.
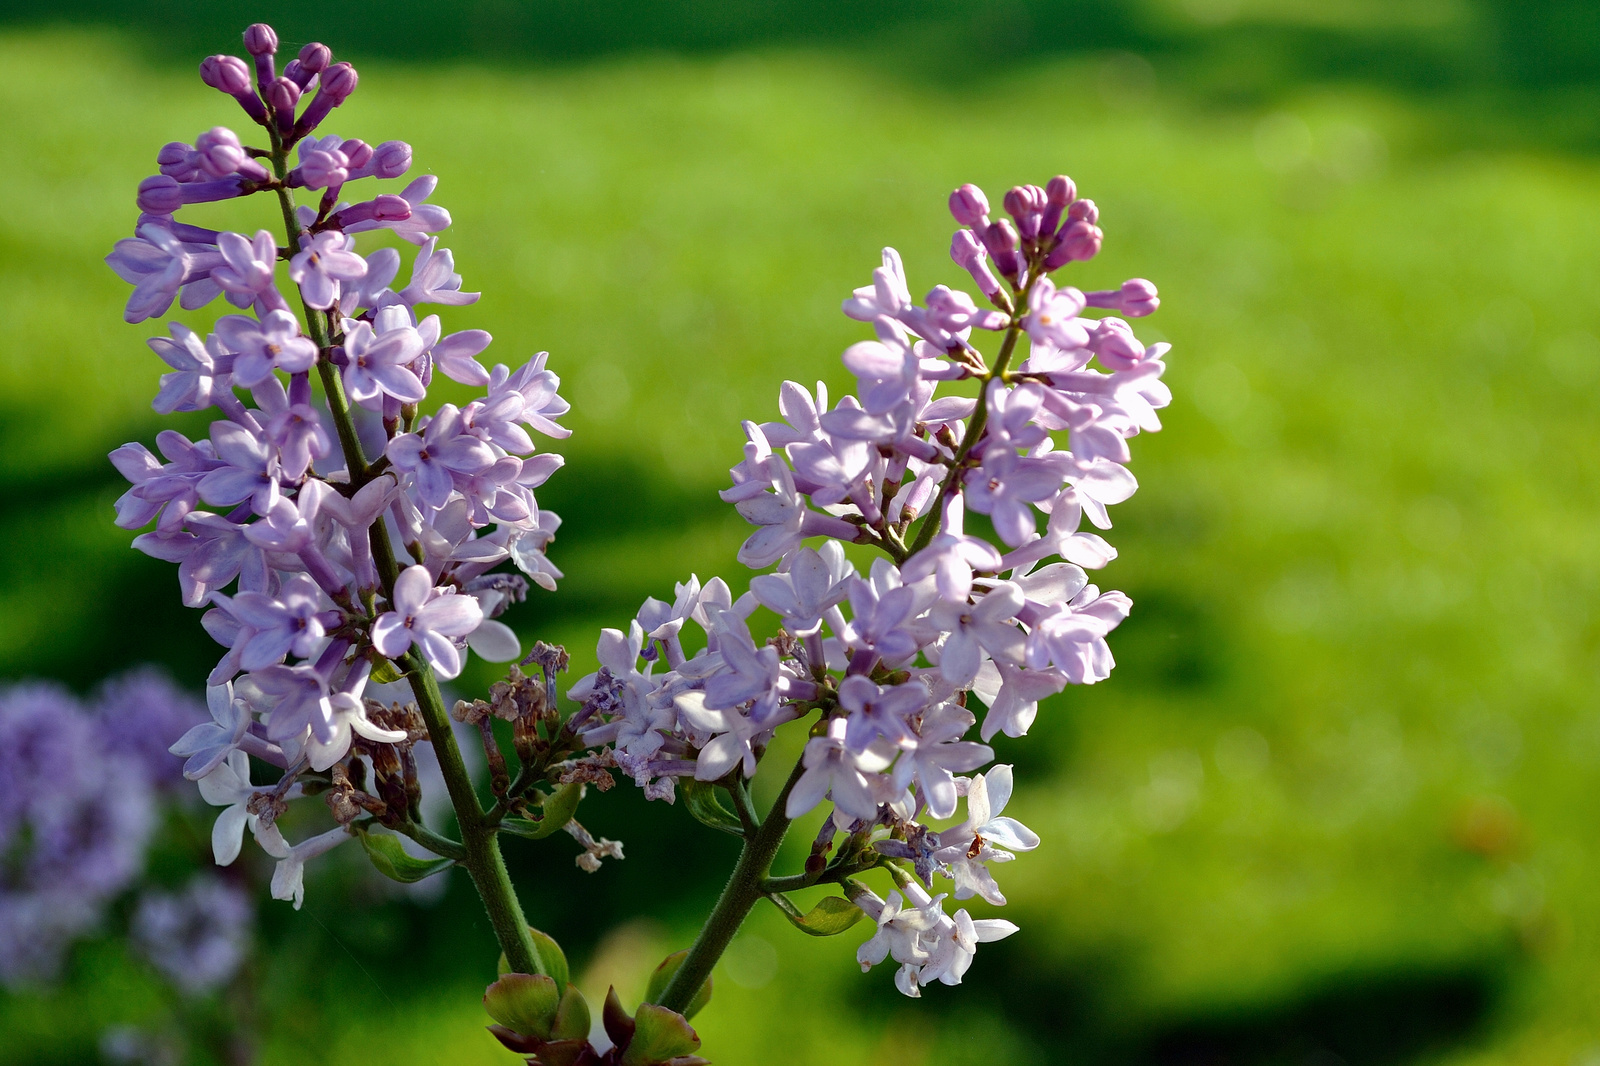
(523, 1002)
(572, 1016)
(700, 799)
(385, 672)
(662, 976)
(659, 1035)
(831, 916)
(393, 862)
(558, 811)
(554, 960)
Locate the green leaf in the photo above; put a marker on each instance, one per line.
(658, 1035)
(831, 916)
(662, 976)
(523, 1002)
(700, 798)
(550, 954)
(572, 1016)
(385, 672)
(393, 862)
(558, 811)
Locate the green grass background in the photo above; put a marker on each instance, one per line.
(1335, 803)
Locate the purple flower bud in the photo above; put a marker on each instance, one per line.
(1060, 192)
(391, 159)
(159, 194)
(283, 94)
(969, 254)
(261, 42)
(969, 205)
(230, 75)
(384, 208)
(1080, 240)
(358, 152)
(1136, 298)
(219, 151)
(1024, 203)
(315, 57)
(338, 82)
(1001, 239)
(1115, 345)
(1084, 211)
(322, 169)
(177, 161)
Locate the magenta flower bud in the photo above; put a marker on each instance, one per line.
(358, 152)
(338, 82)
(970, 256)
(230, 75)
(1136, 298)
(322, 169)
(1059, 192)
(1079, 241)
(262, 43)
(384, 208)
(315, 57)
(1114, 344)
(391, 159)
(160, 194)
(1024, 203)
(219, 151)
(1084, 211)
(283, 94)
(177, 161)
(969, 205)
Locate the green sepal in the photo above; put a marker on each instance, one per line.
(659, 1034)
(831, 916)
(700, 799)
(393, 862)
(572, 1016)
(553, 959)
(662, 976)
(385, 672)
(559, 807)
(523, 1002)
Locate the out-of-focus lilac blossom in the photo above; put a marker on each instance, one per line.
(197, 937)
(140, 714)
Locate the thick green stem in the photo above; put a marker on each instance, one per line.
(481, 850)
(742, 892)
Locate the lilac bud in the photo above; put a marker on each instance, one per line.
(1079, 241)
(229, 74)
(1113, 342)
(283, 94)
(338, 82)
(177, 160)
(159, 194)
(1136, 298)
(323, 169)
(1060, 192)
(260, 39)
(392, 159)
(358, 152)
(1000, 237)
(384, 208)
(1084, 211)
(261, 42)
(315, 57)
(969, 255)
(1024, 203)
(969, 205)
(219, 151)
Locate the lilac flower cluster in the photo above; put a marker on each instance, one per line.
(285, 529)
(882, 664)
(79, 787)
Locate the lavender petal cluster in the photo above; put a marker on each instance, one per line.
(882, 666)
(79, 787)
(282, 527)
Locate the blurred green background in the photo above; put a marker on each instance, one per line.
(1334, 806)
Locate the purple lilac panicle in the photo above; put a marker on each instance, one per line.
(276, 535)
(892, 658)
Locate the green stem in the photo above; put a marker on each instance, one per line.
(743, 890)
(980, 418)
(434, 842)
(480, 848)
